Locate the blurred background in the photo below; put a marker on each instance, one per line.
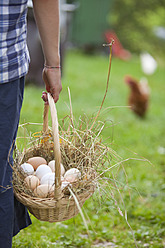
(133, 113)
(137, 28)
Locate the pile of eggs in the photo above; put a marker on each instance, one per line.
(41, 176)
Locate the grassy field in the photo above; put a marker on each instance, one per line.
(141, 192)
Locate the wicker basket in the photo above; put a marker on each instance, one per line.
(62, 206)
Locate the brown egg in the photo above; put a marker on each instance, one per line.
(36, 161)
(44, 191)
(32, 181)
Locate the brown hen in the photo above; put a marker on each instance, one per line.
(138, 99)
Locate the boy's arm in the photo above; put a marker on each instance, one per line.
(47, 18)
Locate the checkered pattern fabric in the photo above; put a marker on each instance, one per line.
(14, 55)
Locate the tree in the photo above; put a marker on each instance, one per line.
(134, 22)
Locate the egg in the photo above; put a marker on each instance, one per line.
(27, 168)
(49, 178)
(42, 170)
(51, 164)
(72, 175)
(44, 191)
(36, 161)
(64, 184)
(32, 181)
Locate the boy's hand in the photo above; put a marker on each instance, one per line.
(52, 79)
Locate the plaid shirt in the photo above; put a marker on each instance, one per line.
(14, 55)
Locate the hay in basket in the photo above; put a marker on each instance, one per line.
(79, 148)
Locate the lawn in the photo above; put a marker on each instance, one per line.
(139, 141)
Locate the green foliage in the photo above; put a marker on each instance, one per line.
(142, 191)
(134, 21)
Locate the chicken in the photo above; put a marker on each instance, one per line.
(117, 49)
(148, 63)
(139, 95)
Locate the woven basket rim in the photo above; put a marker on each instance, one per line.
(50, 202)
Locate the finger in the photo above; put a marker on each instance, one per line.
(44, 97)
(44, 76)
(55, 96)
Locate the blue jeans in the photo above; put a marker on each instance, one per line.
(13, 215)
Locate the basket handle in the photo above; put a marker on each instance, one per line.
(56, 147)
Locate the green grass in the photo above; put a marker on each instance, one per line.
(129, 136)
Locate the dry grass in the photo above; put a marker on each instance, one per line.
(81, 147)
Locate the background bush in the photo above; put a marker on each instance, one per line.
(134, 23)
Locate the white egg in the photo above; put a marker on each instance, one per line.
(51, 164)
(64, 184)
(72, 175)
(49, 179)
(27, 168)
(42, 170)
(44, 190)
(32, 181)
